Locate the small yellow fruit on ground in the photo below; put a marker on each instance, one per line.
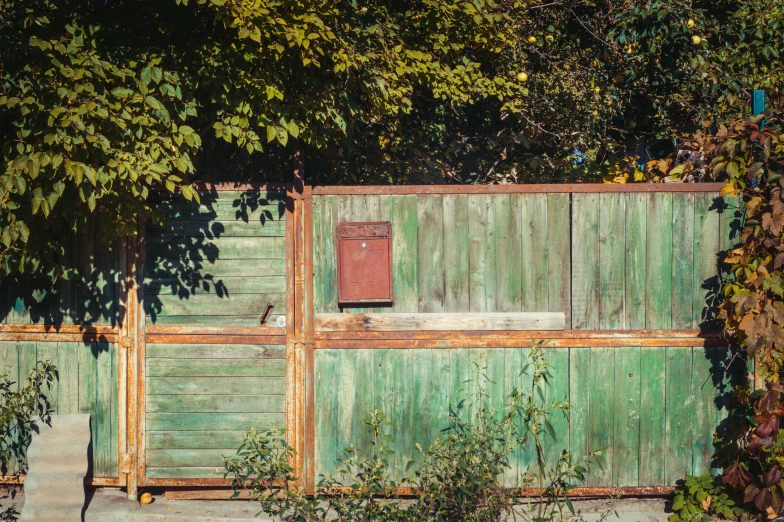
(532, 39)
(522, 77)
(549, 38)
(689, 23)
(629, 50)
(145, 499)
(696, 40)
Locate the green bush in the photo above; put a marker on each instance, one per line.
(702, 498)
(457, 478)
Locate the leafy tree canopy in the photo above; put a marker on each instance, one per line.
(104, 101)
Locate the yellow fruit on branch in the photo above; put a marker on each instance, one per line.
(522, 77)
(532, 39)
(689, 23)
(549, 38)
(597, 89)
(696, 40)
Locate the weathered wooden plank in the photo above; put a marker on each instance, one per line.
(215, 351)
(214, 385)
(87, 356)
(383, 389)
(652, 416)
(513, 366)
(456, 273)
(704, 391)
(579, 398)
(403, 215)
(363, 402)
(186, 473)
(47, 351)
(559, 265)
(18, 299)
(216, 403)
(222, 211)
(558, 391)
(509, 277)
(194, 439)
(190, 270)
(197, 249)
(480, 256)
(585, 262)
(325, 218)
(680, 411)
(68, 383)
(611, 261)
(205, 304)
(188, 457)
(105, 411)
(353, 209)
(235, 321)
(534, 252)
(682, 260)
(326, 410)
(212, 421)
(220, 287)
(430, 253)
(600, 412)
(218, 229)
(401, 416)
(636, 259)
(115, 415)
(438, 395)
(626, 417)
(423, 431)
(346, 398)
(658, 288)
(705, 291)
(216, 367)
(439, 321)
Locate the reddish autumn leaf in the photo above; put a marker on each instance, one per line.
(772, 476)
(736, 475)
(768, 425)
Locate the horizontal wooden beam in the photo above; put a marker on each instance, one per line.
(193, 493)
(416, 322)
(215, 339)
(508, 189)
(215, 330)
(512, 339)
(18, 480)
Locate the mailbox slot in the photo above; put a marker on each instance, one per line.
(364, 262)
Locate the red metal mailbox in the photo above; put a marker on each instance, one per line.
(364, 262)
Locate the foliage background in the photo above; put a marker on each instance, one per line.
(102, 101)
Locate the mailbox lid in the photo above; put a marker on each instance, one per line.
(364, 262)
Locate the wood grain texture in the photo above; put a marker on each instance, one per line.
(559, 256)
(534, 253)
(509, 234)
(612, 245)
(585, 262)
(430, 253)
(380, 322)
(635, 283)
(456, 254)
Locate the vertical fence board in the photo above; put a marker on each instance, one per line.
(430, 252)
(652, 416)
(558, 391)
(706, 262)
(9, 369)
(600, 412)
(403, 213)
(534, 245)
(508, 220)
(361, 435)
(679, 409)
(636, 257)
(585, 261)
(611, 261)
(401, 414)
(346, 399)
(682, 260)
(658, 290)
(626, 416)
(102, 452)
(559, 261)
(456, 253)
(325, 217)
(703, 424)
(513, 365)
(325, 377)
(579, 398)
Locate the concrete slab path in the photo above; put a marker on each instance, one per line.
(110, 505)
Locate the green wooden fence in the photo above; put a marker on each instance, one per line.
(609, 261)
